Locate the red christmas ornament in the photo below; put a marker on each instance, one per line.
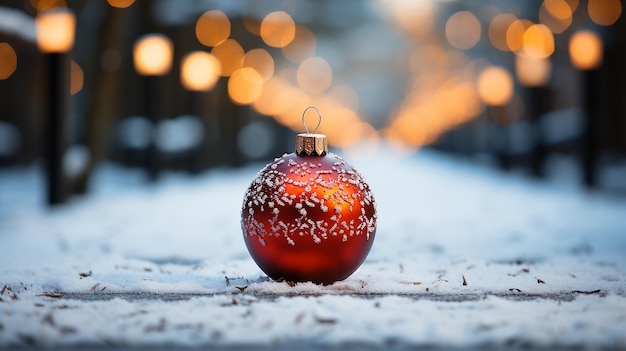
(309, 215)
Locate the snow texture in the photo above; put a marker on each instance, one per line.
(463, 257)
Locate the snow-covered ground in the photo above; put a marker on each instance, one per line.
(463, 257)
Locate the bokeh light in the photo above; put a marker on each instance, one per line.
(586, 50)
(604, 12)
(8, 60)
(252, 25)
(495, 86)
(261, 61)
(212, 28)
(152, 54)
(497, 30)
(556, 15)
(121, 4)
(314, 75)
(245, 85)
(417, 18)
(55, 30)
(230, 54)
(77, 78)
(532, 71)
(278, 29)
(302, 46)
(276, 97)
(199, 71)
(538, 41)
(463, 30)
(46, 5)
(515, 34)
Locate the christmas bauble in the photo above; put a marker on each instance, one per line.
(309, 215)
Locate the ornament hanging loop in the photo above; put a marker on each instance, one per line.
(311, 144)
(319, 120)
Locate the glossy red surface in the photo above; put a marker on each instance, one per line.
(309, 218)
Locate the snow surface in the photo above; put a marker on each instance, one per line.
(463, 257)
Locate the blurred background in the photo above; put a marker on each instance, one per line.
(536, 87)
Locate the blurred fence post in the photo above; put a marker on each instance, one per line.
(152, 55)
(55, 38)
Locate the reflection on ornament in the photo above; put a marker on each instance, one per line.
(309, 215)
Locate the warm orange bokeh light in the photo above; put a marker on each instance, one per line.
(278, 29)
(8, 60)
(245, 86)
(121, 4)
(252, 25)
(463, 30)
(230, 54)
(573, 4)
(604, 12)
(199, 71)
(77, 78)
(46, 5)
(586, 50)
(429, 113)
(55, 31)
(515, 34)
(497, 30)
(303, 45)
(556, 14)
(558, 9)
(346, 95)
(495, 86)
(414, 17)
(274, 98)
(152, 55)
(538, 41)
(261, 61)
(531, 71)
(314, 75)
(212, 28)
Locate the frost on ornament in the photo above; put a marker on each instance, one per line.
(309, 215)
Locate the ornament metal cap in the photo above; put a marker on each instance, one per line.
(311, 144)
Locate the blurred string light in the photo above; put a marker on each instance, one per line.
(120, 4)
(604, 12)
(199, 71)
(77, 78)
(212, 28)
(252, 79)
(429, 113)
(8, 60)
(585, 50)
(278, 29)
